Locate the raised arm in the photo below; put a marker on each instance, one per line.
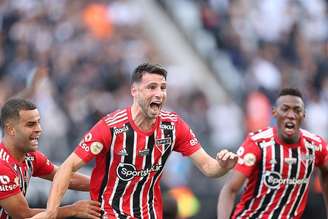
(211, 167)
(228, 194)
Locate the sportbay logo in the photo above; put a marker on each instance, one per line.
(273, 180)
(127, 172)
(120, 130)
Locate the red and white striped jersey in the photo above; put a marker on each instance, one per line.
(15, 176)
(278, 174)
(129, 162)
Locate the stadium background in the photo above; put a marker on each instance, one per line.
(226, 61)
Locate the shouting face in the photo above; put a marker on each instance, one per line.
(289, 112)
(150, 94)
(26, 131)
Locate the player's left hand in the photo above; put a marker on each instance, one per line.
(87, 209)
(226, 159)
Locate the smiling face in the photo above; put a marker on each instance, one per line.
(290, 113)
(150, 94)
(26, 130)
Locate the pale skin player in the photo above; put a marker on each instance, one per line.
(21, 136)
(149, 96)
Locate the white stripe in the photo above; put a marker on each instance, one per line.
(310, 135)
(143, 167)
(134, 152)
(170, 118)
(117, 121)
(111, 119)
(306, 172)
(299, 187)
(110, 164)
(265, 134)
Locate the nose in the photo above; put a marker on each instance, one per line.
(291, 114)
(38, 128)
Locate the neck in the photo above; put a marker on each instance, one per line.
(10, 145)
(140, 119)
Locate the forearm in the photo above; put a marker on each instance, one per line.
(59, 186)
(80, 182)
(66, 211)
(226, 202)
(213, 169)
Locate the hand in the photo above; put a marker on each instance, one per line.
(87, 209)
(226, 159)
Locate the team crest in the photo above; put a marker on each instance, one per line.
(163, 144)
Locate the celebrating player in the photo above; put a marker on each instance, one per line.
(131, 147)
(20, 160)
(277, 163)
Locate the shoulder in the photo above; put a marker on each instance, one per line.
(309, 136)
(115, 118)
(168, 116)
(261, 135)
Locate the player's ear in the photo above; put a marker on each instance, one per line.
(133, 89)
(9, 128)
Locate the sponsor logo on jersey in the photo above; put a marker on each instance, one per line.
(88, 137)
(6, 188)
(4, 179)
(249, 159)
(123, 152)
(96, 147)
(163, 141)
(120, 130)
(273, 180)
(240, 151)
(84, 146)
(308, 145)
(143, 152)
(290, 160)
(127, 172)
(167, 127)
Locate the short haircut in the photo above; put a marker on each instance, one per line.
(11, 109)
(147, 68)
(291, 92)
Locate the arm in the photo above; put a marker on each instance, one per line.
(211, 167)
(17, 207)
(79, 182)
(228, 194)
(60, 184)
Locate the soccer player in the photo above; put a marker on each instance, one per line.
(277, 163)
(131, 146)
(20, 160)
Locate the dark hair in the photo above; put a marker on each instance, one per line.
(12, 107)
(291, 92)
(147, 68)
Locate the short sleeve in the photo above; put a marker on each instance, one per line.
(322, 154)
(9, 182)
(186, 141)
(42, 165)
(249, 155)
(94, 142)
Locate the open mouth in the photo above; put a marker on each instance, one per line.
(155, 105)
(34, 140)
(289, 128)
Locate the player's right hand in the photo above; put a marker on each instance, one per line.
(87, 209)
